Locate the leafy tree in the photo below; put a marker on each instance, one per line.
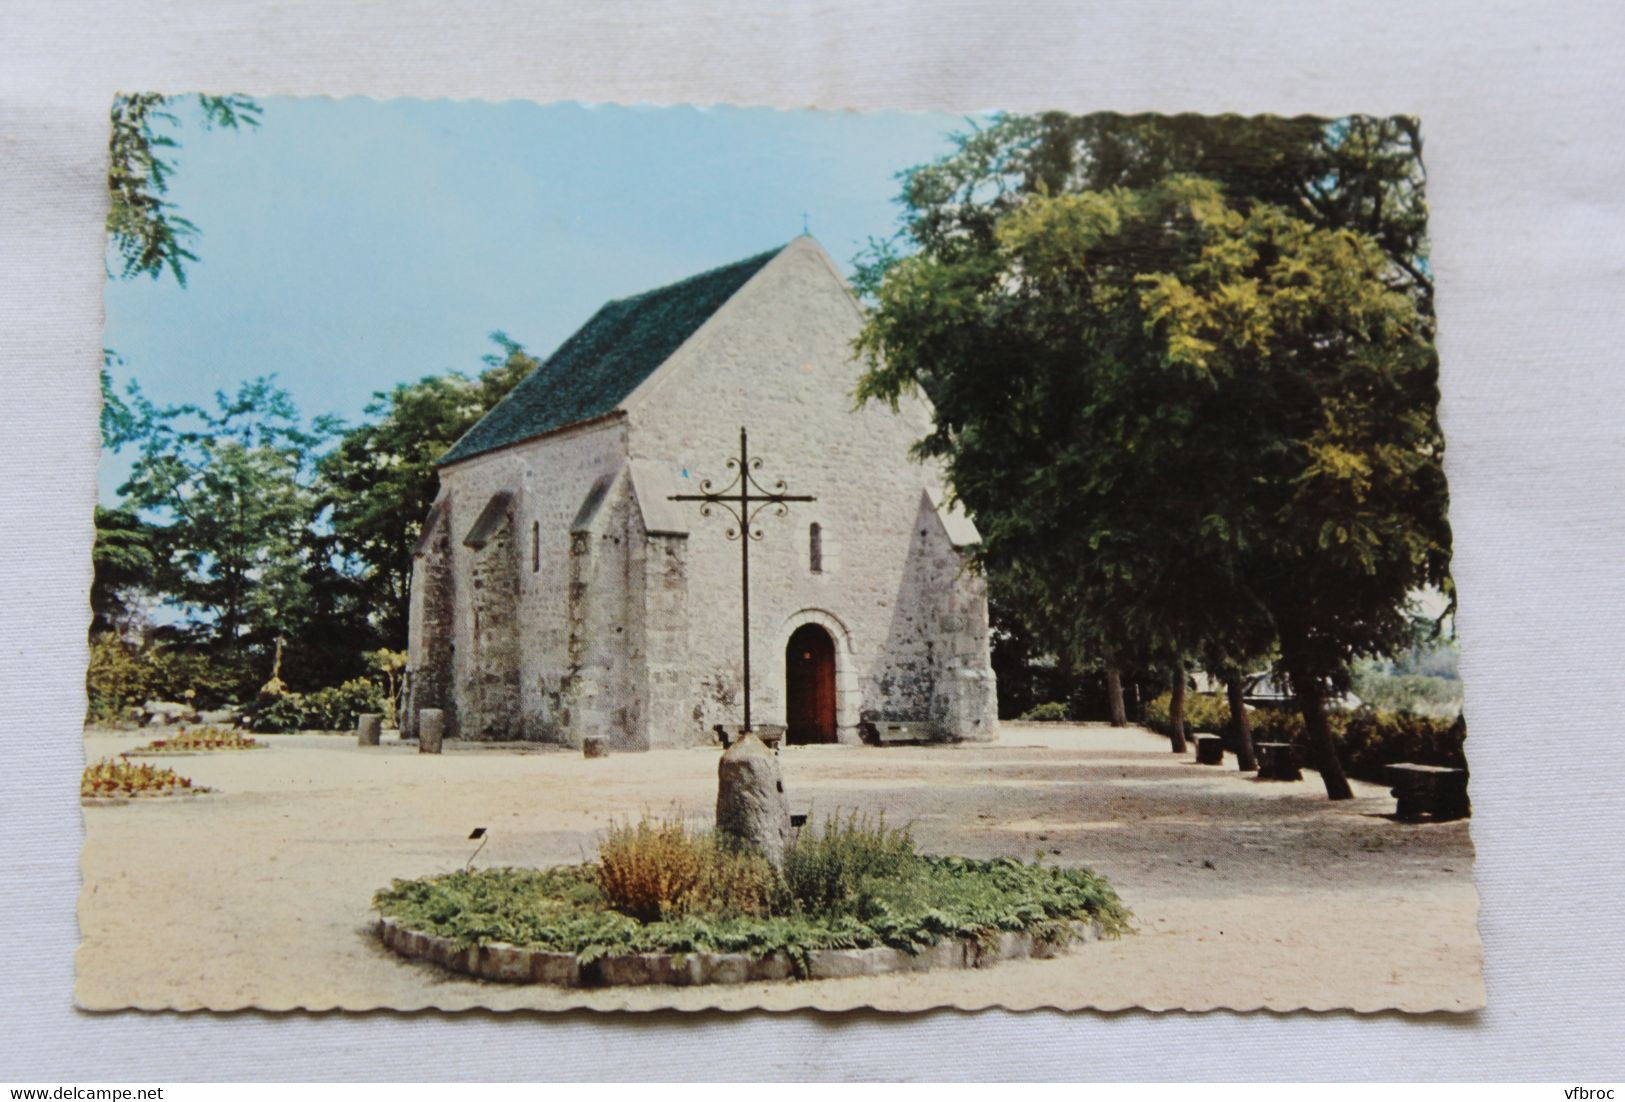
(1356, 173)
(117, 421)
(125, 565)
(227, 492)
(1182, 422)
(1036, 365)
(1330, 420)
(144, 228)
(380, 480)
(1359, 173)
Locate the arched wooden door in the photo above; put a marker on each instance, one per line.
(809, 666)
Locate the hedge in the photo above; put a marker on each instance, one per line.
(330, 709)
(1368, 739)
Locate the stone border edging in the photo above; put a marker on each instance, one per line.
(505, 963)
(117, 801)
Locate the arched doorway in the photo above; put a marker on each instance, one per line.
(809, 672)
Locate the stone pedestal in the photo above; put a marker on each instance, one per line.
(751, 808)
(431, 726)
(1279, 761)
(1209, 749)
(368, 727)
(1434, 790)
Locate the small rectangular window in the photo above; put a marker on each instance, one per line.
(535, 546)
(815, 548)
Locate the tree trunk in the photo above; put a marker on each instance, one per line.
(1064, 686)
(1246, 760)
(1312, 703)
(1114, 693)
(1176, 712)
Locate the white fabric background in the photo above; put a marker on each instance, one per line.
(1522, 110)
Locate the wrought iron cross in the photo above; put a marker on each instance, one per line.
(744, 499)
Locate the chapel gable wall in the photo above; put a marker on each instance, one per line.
(778, 359)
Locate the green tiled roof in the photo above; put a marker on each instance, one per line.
(593, 372)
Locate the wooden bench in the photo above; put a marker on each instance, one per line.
(896, 732)
(1209, 748)
(772, 734)
(1279, 761)
(1435, 790)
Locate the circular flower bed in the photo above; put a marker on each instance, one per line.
(855, 899)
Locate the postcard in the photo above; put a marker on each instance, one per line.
(573, 555)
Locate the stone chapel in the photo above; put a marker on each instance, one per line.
(558, 591)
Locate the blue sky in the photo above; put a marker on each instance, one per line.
(348, 245)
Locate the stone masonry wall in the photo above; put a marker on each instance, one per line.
(550, 478)
(635, 637)
(657, 628)
(430, 635)
(600, 685)
(492, 673)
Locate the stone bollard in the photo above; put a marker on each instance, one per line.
(368, 726)
(751, 808)
(594, 746)
(431, 725)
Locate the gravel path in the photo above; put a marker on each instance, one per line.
(1246, 893)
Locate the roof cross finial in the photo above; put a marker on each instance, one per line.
(805, 232)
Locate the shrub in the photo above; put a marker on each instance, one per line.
(1369, 739)
(1372, 739)
(122, 675)
(1050, 712)
(116, 678)
(331, 709)
(1285, 724)
(657, 869)
(1202, 713)
(837, 870)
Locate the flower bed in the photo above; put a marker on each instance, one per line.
(859, 893)
(109, 780)
(200, 740)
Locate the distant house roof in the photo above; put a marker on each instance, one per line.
(593, 372)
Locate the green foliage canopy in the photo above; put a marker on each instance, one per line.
(227, 490)
(1359, 173)
(1180, 421)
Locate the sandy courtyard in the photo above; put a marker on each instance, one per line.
(1246, 893)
